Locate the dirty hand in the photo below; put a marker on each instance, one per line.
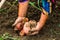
(18, 22)
(35, 30)
(28, 30)
(26, 27)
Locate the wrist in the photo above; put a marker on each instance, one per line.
(23, 18)
(21, 15)
(20, 18)
(39, 26)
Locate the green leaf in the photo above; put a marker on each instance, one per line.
(1, 38)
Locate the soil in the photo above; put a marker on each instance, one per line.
(50, 31)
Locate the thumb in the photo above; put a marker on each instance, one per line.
(17, 21)
(33, 29)
(34, 33)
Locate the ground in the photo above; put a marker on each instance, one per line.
(50, 31)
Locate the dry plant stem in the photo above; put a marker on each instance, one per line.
(22, 9)
(1, 3)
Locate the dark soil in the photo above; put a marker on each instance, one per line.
(50, 31)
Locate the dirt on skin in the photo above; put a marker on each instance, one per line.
(50, 31)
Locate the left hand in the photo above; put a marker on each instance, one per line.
(35, 30)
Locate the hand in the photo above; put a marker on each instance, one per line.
(19, 23)
(18, 20)
(35, 30)
(26, 28)
(24, 31)
(29, 31)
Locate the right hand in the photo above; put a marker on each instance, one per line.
(18, 22)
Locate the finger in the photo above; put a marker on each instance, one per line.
(16, 22)
(22, 33)
(26, 30)
(19, 26)
(26, 27)
(34, 33)
(33, 29)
